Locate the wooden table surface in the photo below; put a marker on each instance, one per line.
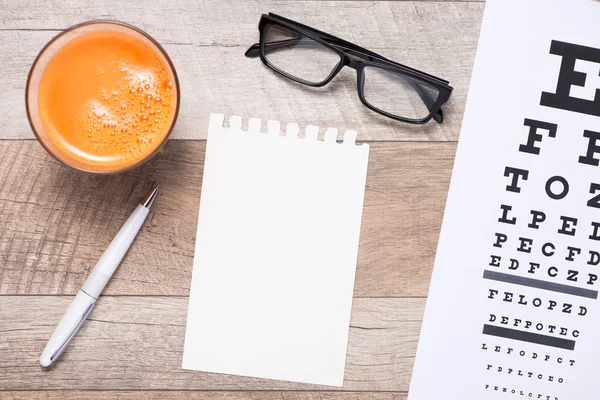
(55, 222)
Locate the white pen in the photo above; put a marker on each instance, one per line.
(90, 291)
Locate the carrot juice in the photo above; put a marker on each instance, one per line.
(107, 100)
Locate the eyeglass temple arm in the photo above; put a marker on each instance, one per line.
(254, 51)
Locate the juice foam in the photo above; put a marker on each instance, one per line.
(107, 98)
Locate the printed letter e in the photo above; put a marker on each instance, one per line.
(569, 77)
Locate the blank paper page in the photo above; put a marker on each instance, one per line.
(276, 252)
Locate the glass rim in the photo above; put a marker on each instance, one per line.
(158, 47)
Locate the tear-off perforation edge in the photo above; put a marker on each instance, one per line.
(217, 123)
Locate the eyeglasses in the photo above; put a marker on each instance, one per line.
(314, 58)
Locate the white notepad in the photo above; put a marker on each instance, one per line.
(276, 252)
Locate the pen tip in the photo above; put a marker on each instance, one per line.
(150, 198)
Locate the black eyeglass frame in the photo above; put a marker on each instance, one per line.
(355, 57)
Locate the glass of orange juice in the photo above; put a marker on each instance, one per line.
(102, 97)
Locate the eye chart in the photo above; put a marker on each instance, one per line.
(513, 308)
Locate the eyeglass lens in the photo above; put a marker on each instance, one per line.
(298, 55)
(398, 94)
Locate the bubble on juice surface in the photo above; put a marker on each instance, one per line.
(141, 96)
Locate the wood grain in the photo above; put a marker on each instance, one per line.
(136, 343)
(173, 395)
(57, 221)
(207, 39)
